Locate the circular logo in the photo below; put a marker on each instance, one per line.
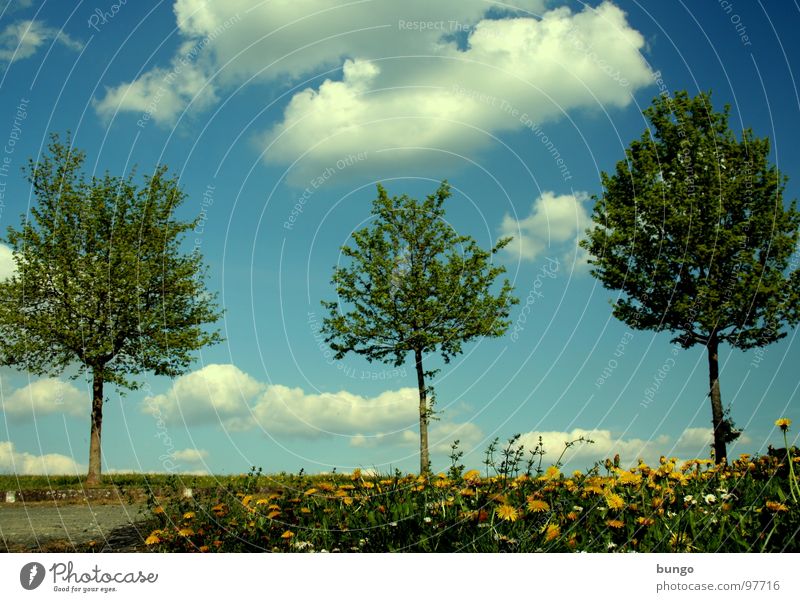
(31, 575)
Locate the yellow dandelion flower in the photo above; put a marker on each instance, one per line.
(467, 492)
(552, 532)
(203, 548)
(305, 510)
(572, 515)
(326, 487)
(441, 483)
(189, 515)
(594, 489)
(628, 478)
(615, 502)
(217, 508)
(311, 491)
(262, 502)
(506, 512)
(246, 500)
(645, 521)
(185, 532)
(273, 514)
(552, 474)
(348, 501)
(152, 540)
(783, 423)
(615, 524)
(287, 534)
(158, 510)
(535, 505)
(680, 542)
(356, 474)
(346, 487)
(577, 474)
(472, 475)
(776, 507)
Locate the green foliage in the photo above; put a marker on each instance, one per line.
(413, 283)
(693, 507)
(100, 281)
(692, 230)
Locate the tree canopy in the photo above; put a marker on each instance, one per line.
(414, 285)
(691, 228)
(101, 284)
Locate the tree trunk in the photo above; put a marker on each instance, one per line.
(424, 458)
(95, 463)
(717, 416)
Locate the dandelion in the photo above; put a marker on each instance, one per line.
(185, 532)
(535, 505)
(552, 474)
(158, 510)
(615, 502)
(645, 521)
(783, 424)
(273, 514)
(552, 532)
(262, 502)
(776, 507)
(311, 491)
(615, 524)
(203, 548)
(507, 513)
(152, 540)
(680, 542)
(287, 534)
(189, 515)
(247, 499)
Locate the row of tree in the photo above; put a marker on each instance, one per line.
(691, 229)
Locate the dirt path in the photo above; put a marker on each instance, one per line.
(50, 527)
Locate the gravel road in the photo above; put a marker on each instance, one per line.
(50, 527)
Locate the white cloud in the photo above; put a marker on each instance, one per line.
(23, 463)
(400, 74)
(555, 225)
(693, 442)
(22, 39)
(290, 411)
(441, 435)
(45, 396)
(7, 265)
(190, 455)
(215, 393)
(223, 394)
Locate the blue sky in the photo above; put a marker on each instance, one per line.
(281, 117)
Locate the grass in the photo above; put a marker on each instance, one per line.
(513, 506)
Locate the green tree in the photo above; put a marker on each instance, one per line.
(693, 232)
(101, 285)
(416, 286)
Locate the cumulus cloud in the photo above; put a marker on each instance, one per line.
(291, 411)
(445, 75)
(14, 461)
(45, 396)
(441, 435)
(693, 442)
(215, 393)
(22, 39)
(190, 455)
(225, 395)
(554, 226)
(7, 265)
